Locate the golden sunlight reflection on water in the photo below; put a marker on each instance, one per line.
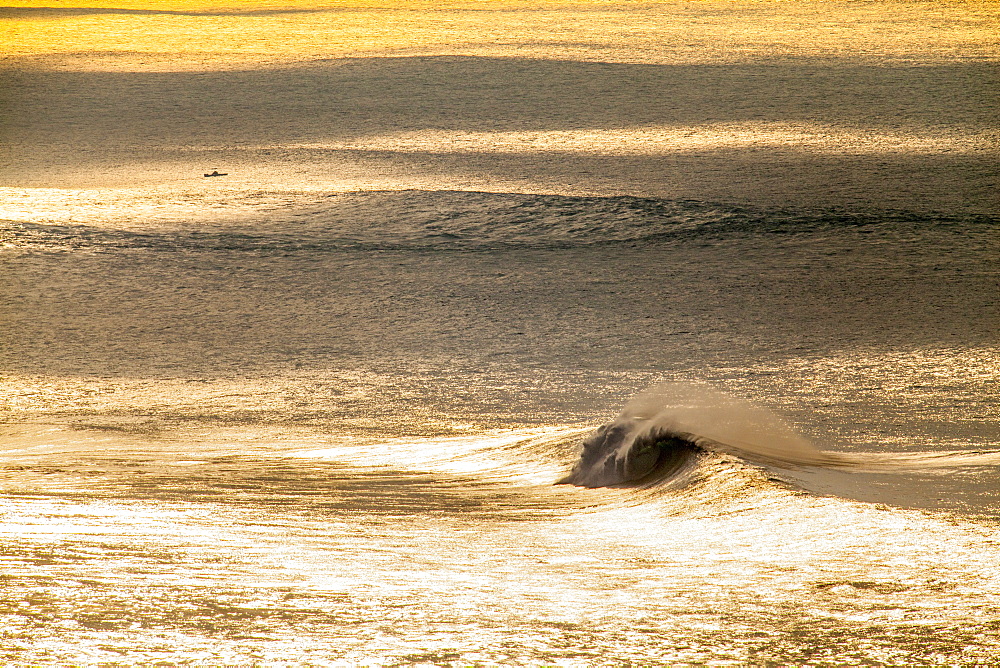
(661, 140)
(572, 576)
(490, 96)
(220, 35)
(253, 419)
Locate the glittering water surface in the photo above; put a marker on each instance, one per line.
(228, 442)
(315, 411)
(459, 548)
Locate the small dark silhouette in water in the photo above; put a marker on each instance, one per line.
(216, 172)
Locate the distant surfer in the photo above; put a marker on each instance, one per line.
(216, 172)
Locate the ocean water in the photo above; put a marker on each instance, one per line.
(331, 430)
(515, 334)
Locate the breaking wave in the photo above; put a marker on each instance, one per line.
(668, 427)
(697, 447)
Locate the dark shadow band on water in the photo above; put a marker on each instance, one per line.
(82, 122)
(357, 97)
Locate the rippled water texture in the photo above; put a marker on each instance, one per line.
(316, 410)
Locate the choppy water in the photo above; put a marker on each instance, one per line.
(308, 427)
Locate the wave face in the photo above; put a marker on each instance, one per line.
(433, 220)
(663, 430)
